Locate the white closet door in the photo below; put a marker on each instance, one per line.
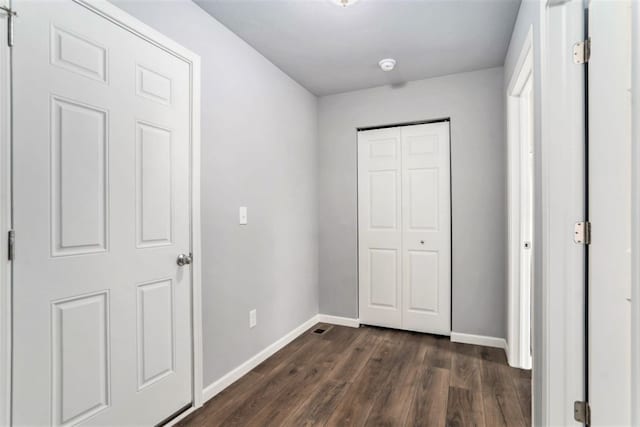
(405, 228)
(379, 219)
(426, 228)
(102, 330)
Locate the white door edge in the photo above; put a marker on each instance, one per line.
(558, 365)
(134, 26)
(5, 224)
(635, 214)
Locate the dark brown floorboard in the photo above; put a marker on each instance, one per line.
(374, 376)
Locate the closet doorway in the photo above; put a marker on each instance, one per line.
(404, 227)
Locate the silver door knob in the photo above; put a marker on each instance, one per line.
(184, 259)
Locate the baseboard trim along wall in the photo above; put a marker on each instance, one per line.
(217, 386)
(479, 340)
(336, 320)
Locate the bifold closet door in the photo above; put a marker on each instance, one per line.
(405, 227)
(426, 228)
(380, 232)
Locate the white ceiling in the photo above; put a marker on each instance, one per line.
(329, 49)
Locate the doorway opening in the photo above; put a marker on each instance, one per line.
(520, 152)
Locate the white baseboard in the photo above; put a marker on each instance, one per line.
(479, 340)
(216, 387)
(337, 320)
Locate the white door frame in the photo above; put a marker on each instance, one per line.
(5, 221)
(609, 269)
(635, 213)
(519, 291)
(125, 21)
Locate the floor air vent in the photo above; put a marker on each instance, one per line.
(319, 331)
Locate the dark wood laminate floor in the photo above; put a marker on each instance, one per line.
(374, 376)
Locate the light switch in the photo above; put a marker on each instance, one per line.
(243, 215)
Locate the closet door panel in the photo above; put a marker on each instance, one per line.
(426, 230)
(379, 219)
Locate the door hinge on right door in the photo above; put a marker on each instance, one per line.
(11, 14)
(582, 51)
(582, 412)
(582, 233)
(11, 241)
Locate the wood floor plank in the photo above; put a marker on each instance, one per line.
(392, 403)
(430, 397)
(523, 388)
(439, 354)
(355, 407)
(465, 366)
(292, 395)
(500, 398)
(374, 376)
(464, 408)
(319, 407)
(496, 355)
(221, 406)
(280, 388)
(286, 353)
(354, 360)
(229, 398)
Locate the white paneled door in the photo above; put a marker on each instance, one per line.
(102, 316)
(404, 217)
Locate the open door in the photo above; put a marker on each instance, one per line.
(559, 262)
(104, 210)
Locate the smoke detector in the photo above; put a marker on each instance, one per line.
(387, 64)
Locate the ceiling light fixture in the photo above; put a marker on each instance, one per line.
(387, 64)
(344, 3)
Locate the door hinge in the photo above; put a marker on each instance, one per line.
(582, 412)
(11, 14)
(582, 233)
(582, 51)
(11, 242)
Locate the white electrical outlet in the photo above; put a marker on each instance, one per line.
(243, 215)
(252, 318)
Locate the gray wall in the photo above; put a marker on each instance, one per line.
(258, 150)
(529, 17)
(475, 103)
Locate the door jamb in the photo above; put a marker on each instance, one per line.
(517, 300)
(5, 221)
(635, 213)
(137, 28)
